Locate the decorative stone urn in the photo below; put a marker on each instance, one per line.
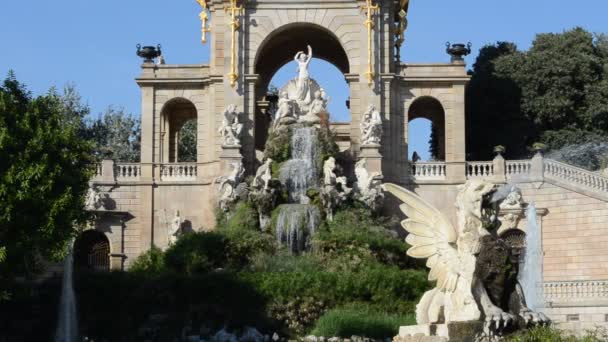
(148, 53)
(458, 51)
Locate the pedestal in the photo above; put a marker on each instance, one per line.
(229, 156)
(371, 153)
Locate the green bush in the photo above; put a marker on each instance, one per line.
(552, 334)
(278, 147)
(360, 320)
(151, 262)
(197, 253)
(355, 238)
(243, 237)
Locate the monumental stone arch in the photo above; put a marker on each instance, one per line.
(153, 201)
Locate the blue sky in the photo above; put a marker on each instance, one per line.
(92, 43)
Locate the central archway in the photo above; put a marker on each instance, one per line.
(278, 49)
(283, 43)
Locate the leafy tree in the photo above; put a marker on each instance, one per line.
(556, 92)
(116, 135)
(45, 164)
(187, 142)
(493, 107)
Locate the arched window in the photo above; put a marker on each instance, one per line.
(426, 129)
(179, 132)
(92, 252)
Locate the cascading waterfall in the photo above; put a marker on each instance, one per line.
(300, 172)
(296, 224)
(298, 221)
(67, 327)
(530, 275)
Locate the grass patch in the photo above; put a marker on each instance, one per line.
(360, 320)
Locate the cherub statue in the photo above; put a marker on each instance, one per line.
(318, 104)
(228, 185)
(368, 186)
(285, 111)
(94, 200)
(175, 228)
(263, 176)
(469, 287)
(335, 189)
(231, 128)
(371, 126)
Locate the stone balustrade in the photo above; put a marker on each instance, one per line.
(575, 291)
(480, 169)
(515, 168)
(572, 174)
(178, 172)
(127, 172)
(429, 171)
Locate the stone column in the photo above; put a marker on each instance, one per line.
(499, 164)
(230, 155)
(107, 171)
(537, 166)
(374, 159)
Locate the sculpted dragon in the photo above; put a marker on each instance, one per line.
(475, 270)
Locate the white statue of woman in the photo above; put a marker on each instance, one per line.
(175, 228)
(303, 61)
(371, 126)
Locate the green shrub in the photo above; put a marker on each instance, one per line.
(278, 146)
(552, 334)
(243, 237)
(360, 320)
(151, 262)
(355, 238)
(197, 253)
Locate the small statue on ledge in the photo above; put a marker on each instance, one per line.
(232, 128)
(229, 186)
(371, 126)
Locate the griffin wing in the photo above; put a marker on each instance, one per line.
(431, 236)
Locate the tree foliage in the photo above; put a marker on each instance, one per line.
(187, 142)
(116, 135)
(557, 87)
(45, 165)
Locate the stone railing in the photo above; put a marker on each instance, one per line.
(127, 172)
(429, 171)
(572, 174)
(178, 172)
(480, 169)
(109, 172)
(518, 168)
(575, 291)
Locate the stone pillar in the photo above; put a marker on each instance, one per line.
(230, 155)
(500, 169)
(537, 166)
(107, 171)
(374, 159)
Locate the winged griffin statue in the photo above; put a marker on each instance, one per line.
(465, 261)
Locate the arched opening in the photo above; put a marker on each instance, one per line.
(329, 77)
(273, 64)
(426, 129)
(92, 252)
(179, 131)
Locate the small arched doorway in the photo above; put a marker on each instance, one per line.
(178, 131)
(426, 113)
(92, 252)
(278, 50)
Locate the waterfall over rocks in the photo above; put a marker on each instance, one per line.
(296, 224)
(530, 275)
(300, 172)
(67, 326)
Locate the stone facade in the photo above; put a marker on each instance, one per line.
(146, 195)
